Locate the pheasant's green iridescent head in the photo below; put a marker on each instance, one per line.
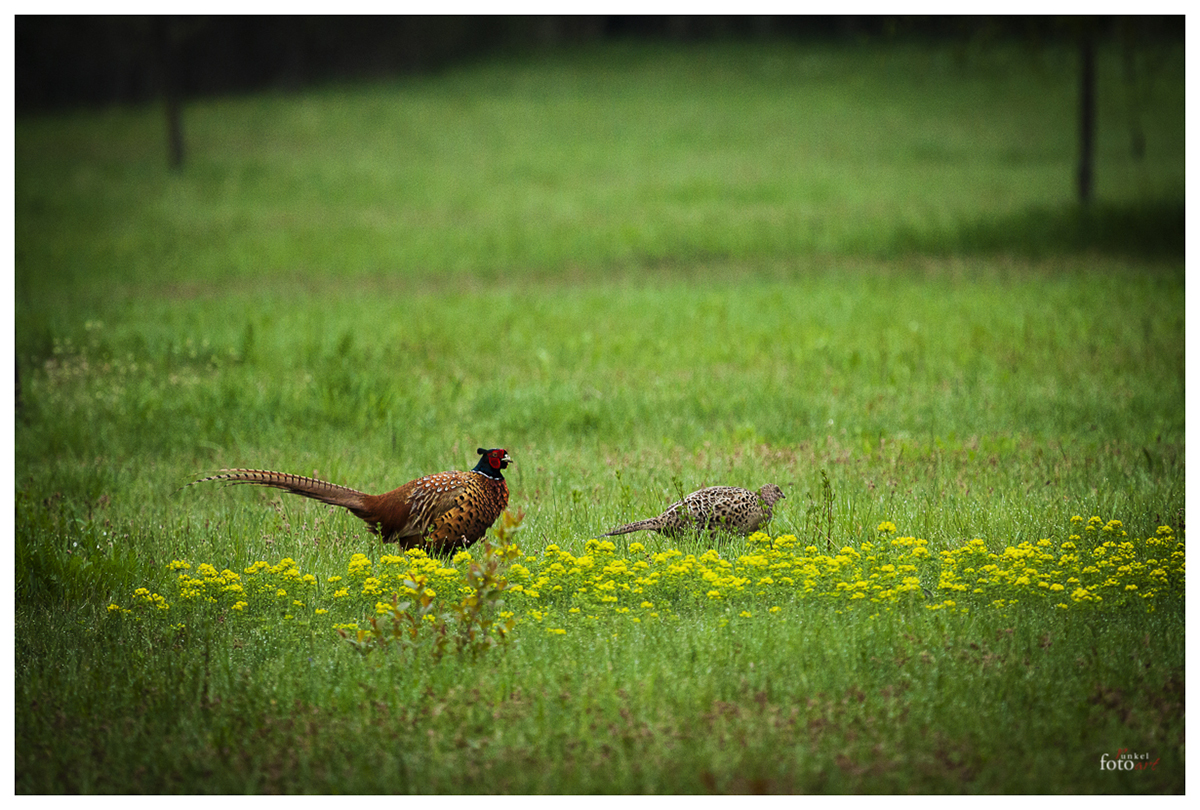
(493, 462)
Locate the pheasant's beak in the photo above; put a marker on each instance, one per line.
(507, 458)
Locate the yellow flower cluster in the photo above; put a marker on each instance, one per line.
(208, 584)
(262, 587)
(395, 572)
(775, 569)
(1097, 566)
(1113, 570)
(143, 602)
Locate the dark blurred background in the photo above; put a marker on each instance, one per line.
(65, 61)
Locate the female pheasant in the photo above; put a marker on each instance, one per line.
(731, 508)
(442, 512)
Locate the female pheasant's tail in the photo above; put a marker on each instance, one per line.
(650, 524)
(314, 488)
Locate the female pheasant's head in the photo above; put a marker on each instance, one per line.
(493, 462)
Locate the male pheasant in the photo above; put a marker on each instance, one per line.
(731, 508)
(442, 512)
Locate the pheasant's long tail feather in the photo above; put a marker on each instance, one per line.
(314, 488)
(650, 524)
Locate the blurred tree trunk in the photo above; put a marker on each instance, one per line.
(1087, 111)
(166, 49)
(1137, 135)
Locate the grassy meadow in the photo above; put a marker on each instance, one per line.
(856, 272)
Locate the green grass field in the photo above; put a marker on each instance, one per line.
(858, 273)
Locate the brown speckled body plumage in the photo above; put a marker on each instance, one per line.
(440, 513)
(731, 508)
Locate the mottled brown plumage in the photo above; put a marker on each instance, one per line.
(441, 513)
(731, 508)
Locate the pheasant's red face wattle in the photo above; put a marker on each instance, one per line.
(492, 462)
